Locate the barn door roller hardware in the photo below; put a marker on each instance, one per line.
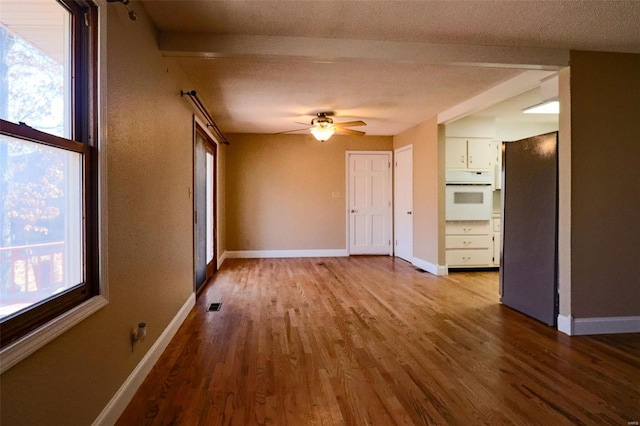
(132, 14)
(211, 124)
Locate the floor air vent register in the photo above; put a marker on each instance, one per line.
(214, 307)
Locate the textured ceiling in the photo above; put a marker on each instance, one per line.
(269, 96)
(260, 66)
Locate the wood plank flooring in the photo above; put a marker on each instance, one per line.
(373, 341)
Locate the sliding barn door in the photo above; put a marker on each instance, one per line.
(204, 216)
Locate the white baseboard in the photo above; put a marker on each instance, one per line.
(565, 324)
(221, 259)
(254, 254)
(430, 267)
(122, 397)
(605, 325)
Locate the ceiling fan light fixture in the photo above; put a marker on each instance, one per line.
(322, 131)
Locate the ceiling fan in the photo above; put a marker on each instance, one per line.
(322, 127)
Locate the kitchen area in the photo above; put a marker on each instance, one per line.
(472, 202)
(473, 174)
(501, 199)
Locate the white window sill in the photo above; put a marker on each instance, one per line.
(19, 350)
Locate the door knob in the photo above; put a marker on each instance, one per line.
(353, 211)
(408, 212)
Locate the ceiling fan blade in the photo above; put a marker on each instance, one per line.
(291, 131)
(351, 123)
(349, 132)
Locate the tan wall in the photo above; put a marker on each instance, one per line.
(280, 190)
(605, 184)
(428, 189)
(70, 380)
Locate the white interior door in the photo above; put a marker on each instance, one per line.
(369, 188)
(403, 202)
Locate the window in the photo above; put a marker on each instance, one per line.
(48, 162)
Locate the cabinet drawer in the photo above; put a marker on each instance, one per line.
(496, 224)
(468, 241)
(479, 227)
(458, 258)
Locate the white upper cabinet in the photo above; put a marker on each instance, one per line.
(481, 154)
(456, 153)
(469, 153)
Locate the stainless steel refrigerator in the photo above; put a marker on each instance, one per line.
(528, 267)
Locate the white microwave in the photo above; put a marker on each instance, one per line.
(468, 202)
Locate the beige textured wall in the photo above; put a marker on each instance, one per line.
(70, 380)
(280, 189)
(428, 189)
(605, 184)
(441, 141)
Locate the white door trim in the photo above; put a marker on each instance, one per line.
(347, 192)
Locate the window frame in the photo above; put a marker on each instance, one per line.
(25, 332)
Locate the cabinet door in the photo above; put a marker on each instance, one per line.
(496, 249)
(456, 153)
(481, 153)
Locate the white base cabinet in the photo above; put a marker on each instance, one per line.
(479, 258)
(472, 244)
(497, 241)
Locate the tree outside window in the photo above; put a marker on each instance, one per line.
(48, 214)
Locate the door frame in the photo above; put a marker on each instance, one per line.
(199, 125)
(395, 183)
(347, 193)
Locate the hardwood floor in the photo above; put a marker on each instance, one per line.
(372, 340)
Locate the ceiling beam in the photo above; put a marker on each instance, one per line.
(336, 50)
